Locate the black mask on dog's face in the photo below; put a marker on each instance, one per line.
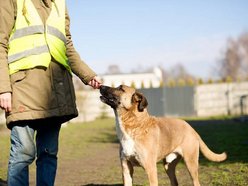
(110, 100)
(107, 97)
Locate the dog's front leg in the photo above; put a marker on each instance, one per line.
(151, 170)
(127, 172)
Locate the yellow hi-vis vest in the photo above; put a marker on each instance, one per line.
(32, 43)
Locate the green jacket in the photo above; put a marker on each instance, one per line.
(40, 92)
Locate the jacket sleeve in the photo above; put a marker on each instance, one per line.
(7, 13)
(78, 66)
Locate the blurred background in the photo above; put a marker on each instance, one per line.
(190, 58)
(196, 39)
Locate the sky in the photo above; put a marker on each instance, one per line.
(139, 34)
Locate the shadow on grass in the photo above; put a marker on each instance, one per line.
(227, 135)
(109, 137)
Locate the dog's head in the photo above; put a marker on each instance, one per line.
(123, 97)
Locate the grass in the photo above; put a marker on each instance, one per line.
(89, 155)
(229, 136)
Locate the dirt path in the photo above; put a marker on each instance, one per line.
(103, 169)
(90, 170)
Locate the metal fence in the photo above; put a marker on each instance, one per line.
(201, 100)
(174, 101)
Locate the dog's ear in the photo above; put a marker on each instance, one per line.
(142, 101)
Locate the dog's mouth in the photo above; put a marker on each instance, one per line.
(111, 101)
(108, 97)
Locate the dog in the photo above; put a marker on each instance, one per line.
(145, 140)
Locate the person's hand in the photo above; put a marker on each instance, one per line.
(5, 101)
(95, 83)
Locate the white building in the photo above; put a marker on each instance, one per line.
(139, 80)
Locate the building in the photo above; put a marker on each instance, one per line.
(138, 80)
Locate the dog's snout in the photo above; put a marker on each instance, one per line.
(103, 88)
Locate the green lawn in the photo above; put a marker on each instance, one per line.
(89, 155)
(229, 136)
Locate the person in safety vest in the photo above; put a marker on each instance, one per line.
(37, 60)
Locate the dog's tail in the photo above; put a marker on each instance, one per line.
(210, 155)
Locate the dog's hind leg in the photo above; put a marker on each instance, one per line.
(127, 172)
(191, 159)
(170, 168)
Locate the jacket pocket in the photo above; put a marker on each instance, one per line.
(17, 77)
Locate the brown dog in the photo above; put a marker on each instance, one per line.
(145, 140)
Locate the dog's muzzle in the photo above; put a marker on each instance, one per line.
(108, 97)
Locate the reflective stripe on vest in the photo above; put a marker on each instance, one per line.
(32, 43)
(26, 53)
(30, 31)
(38, 30)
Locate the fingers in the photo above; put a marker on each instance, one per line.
(95, 83)
(5, 101)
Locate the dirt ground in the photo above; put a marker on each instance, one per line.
(86, 171)
(90, 170)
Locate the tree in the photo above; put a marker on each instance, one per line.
(179, 72)
(114, 69)
(243, 40)
(230, 64)
(234, 62)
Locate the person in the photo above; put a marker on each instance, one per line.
(37, 60)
